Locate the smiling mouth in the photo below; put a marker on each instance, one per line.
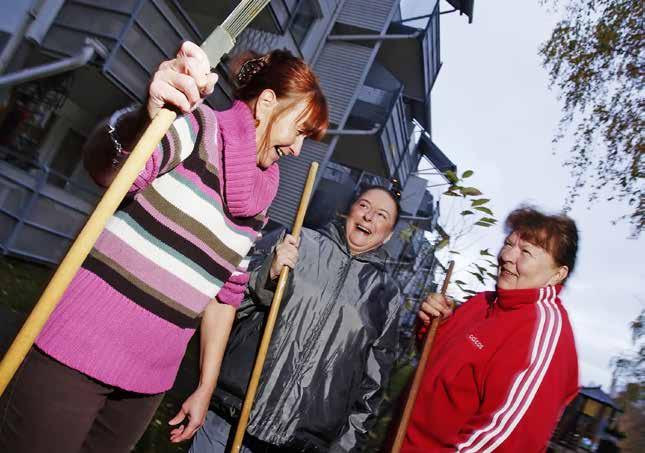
(363, 229)
(508, 273)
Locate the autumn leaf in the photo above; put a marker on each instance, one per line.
(452, 177)
(484, 209)
(469, 191)
(479, 202)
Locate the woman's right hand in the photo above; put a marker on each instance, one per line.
(286, 254)
(434, 306)
(182, 82)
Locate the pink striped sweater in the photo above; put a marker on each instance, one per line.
(196, 210)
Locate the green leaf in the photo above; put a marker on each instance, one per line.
(467, 174)
(488, 219)
(452, 177)
(483, 224)
(469, 191)
(484, 209)
(479, 202)
(450, 194)
(491, 275)
(460, 282)
(454, 252)
(485, 252)
(466, 212)
(479, 277)
(469, 291)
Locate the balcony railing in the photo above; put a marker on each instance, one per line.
(38, 218)
(138, 35)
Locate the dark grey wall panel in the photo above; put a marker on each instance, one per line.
(293, 173)
(367, 14)
(341, 68)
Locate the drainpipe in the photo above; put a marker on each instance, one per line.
(414, 35)
(10, 49)
(91, 48)
(374, 130)
(44, 18)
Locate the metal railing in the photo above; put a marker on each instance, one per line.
(38, 219)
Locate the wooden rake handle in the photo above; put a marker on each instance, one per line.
(271, 318)
(418, 374)
(83, 245)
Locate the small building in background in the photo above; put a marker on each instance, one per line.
(589, 423)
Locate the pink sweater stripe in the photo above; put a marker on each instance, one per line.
(99, 330)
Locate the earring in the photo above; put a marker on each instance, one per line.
(257, 123)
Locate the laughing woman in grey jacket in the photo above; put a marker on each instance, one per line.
(332, 348)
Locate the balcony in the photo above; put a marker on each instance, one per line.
(384, 148)
(138, 35)
(464, 7)
(421, 54)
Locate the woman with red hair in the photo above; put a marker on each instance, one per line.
(504, 366)
(170, 259)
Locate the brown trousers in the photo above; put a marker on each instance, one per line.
(49, 407)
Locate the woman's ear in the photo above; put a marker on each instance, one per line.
(265, 105)
(560, 275)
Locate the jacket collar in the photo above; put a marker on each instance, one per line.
(507, 299)
(336, 232)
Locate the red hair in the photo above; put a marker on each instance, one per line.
(290, 78)
(557, 234)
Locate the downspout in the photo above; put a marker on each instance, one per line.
(414, 35)
(34, 27)
(91, 48)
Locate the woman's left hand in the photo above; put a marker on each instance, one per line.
(195, 408)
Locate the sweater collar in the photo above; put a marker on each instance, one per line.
(238, 127)
(249, 190)
(513, 298)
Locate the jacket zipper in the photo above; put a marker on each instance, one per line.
(330, 304)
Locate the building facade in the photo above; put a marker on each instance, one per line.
(377, 72)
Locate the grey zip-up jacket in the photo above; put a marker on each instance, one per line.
(331, 352)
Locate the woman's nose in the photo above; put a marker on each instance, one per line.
(297, 146)
(507, 255)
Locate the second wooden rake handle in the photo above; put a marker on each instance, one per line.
(272, 317)
(418, 374)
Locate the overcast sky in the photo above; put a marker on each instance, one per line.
(493, 113)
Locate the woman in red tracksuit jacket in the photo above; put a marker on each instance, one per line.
(504, 366)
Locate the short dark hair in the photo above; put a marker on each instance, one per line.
(384, 190)
(557, 234)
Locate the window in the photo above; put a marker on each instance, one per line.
(306, 15)
(67, 158)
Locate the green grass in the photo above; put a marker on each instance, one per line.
(21, 283)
